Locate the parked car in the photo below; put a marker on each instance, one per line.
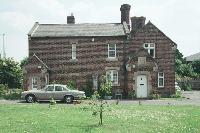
(56, 91)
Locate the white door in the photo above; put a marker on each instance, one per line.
(34, 83)
(142, 86)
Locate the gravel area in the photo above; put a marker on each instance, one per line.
(191, 98)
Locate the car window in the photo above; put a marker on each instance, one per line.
(58, 88)
(49, 88)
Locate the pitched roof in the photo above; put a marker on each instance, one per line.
(35, 56)
(74, 30)
(150, 27)
(193, 57)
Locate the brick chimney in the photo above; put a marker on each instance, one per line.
(125, 11)
(71, 19)
(137, 23)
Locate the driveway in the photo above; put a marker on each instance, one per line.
(191, 98)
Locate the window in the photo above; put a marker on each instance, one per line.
(34, 83)
(74, 51)
(46, 79)
(113, 76)
(111, 50)
(160, 79)
(150, 48)
(58, 88)
(95, 81)
(50, 88)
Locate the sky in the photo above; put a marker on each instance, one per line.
(178, 19)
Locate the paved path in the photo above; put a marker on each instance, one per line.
(191, 98)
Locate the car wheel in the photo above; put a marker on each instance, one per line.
(30, 98)
(68, 99)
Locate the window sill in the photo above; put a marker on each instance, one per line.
(111, 59)
(161, 87)
(73, 60)
(116, 84)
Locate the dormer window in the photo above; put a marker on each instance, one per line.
(111, 50)
(150, 47)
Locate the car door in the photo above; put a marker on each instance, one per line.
(58, 94)
(46, 94)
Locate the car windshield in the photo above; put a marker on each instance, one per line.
(66, 88)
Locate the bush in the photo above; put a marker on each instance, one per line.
(88, 88)
(155, 94)
(105, 86)
(72, 84)
(12, 96)
(186, 85)
(177, 94)
(3, 89)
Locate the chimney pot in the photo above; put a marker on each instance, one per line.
(71, 19)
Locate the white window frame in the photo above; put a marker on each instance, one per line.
(34, 83)
(111, 73)
(150, 47)
(73, 51)
(161, 77)
(111, 51)
(46, 79)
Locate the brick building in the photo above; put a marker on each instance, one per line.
(137, 55)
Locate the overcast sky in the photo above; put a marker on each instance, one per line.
(178, 19)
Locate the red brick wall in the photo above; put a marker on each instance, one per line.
(91, 57)
(164, 56)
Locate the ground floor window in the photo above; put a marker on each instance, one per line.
(113, 76)
(34, 83)
(160, 79)
(46, 79)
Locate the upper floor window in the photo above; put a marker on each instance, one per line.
(150, 48)
(111, 50)
(160, 79)
(73, 51)
(113, 76)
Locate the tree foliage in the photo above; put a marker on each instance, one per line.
(23, 62)
(196, 66)
(184, 69)
(10, 73)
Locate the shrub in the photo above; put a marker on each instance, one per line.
(72, 84)
(88, 88)
(177, 94)
(3, 90)
(132, 94)
(155, 94)
(12, 96)
(186, 85)
(105, 86)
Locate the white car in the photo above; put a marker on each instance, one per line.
(57, 92)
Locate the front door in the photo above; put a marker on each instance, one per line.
(142, 86)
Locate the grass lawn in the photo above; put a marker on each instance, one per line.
(36, 118)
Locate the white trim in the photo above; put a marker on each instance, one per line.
(112, 51)
(73, 51)
(34, 81)
(149, 47)
(161, 77)
(111, 73)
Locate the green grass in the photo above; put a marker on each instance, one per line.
(34, 118)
